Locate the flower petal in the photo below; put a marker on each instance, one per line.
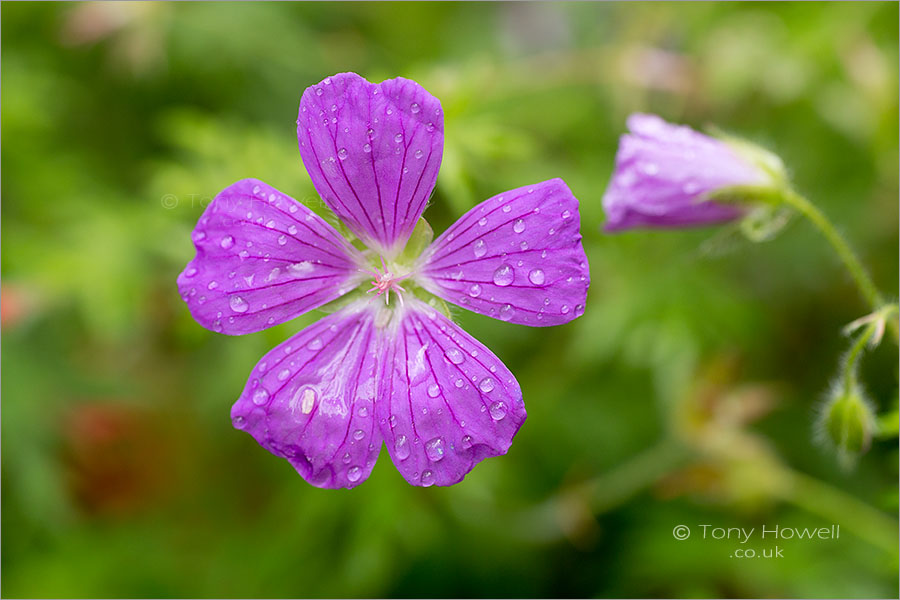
(515, 257)
(373, 153)
(445, 401)
(311, 400)
(263, 258)
(662, 173)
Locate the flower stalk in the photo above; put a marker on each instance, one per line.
(860, 276)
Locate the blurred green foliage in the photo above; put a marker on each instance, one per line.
(685, 395)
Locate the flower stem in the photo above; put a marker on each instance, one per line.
(641, 471)
(848, 257)
(546, 521)
(837, 506)
(853, 357)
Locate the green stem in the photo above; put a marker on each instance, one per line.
(848, 257)
(841, 508)
(641, 471)
(544, 522)
(853, 357)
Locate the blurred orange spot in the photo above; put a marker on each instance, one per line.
(118, 460)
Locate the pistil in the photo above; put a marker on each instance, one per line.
(384, 281)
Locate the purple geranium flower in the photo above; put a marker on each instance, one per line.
(665, 173)
(387, 366)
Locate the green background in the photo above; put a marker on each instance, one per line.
(687, 393)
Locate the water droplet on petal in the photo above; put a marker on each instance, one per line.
(434, 390)
(427, 478)
(579, 310)
(486, 385)
(418, 154)
(401, 448)
(536, 277)
(455, 356)
(301, 268)
(398, 138)
(519, 226)
(507, 208)
(498, 411)
(467, 442)
(475, 290)
(238, 304)
(353, 474)
(414, 107)
(358, 434)
(434, 449)
(190, 272)
(506, 312)
(316, 344)
(566, 214)
(367, 148)
(346, 458)
(479, 248)
(342, 153)
(307, 400)
(282, 240)
(318, 91)
(482, 221)
(504, 275)
(283, 374)
(260, 396)
(227, 242)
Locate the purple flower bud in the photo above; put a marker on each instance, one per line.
(665, 174)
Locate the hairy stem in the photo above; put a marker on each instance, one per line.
(853, 357)
(848, 257)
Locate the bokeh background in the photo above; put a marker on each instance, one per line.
(687, 393)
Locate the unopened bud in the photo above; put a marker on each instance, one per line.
(848, 421)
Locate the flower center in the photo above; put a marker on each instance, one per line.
(384, 281)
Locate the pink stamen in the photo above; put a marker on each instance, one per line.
(385, 281)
